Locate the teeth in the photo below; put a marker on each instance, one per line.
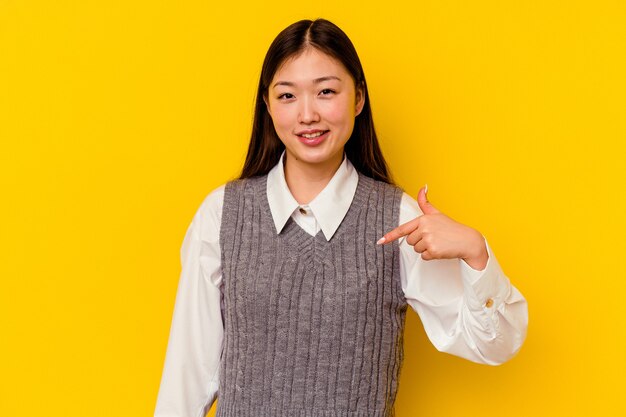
(313, 135)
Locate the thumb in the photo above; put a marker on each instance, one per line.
(422, 201)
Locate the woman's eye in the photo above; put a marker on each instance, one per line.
(286, 96)
(326, 91)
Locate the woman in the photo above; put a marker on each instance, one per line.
(297, 276)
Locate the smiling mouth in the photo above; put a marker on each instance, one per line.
(313, 135)
(313, 138)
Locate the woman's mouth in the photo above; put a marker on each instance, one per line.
(313, 138)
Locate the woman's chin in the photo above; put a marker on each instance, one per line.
(320, 157)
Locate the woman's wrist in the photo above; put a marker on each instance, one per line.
(477, 255)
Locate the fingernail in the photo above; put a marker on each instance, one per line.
(426, 189)
(381, 240)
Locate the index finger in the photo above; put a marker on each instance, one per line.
(398, 232)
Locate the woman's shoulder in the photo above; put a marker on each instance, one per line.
(378, 185)
(213, 200)
(208, 216)
(241, 183)
(409, 209)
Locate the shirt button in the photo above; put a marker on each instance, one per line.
(302, 211)
(489, 303)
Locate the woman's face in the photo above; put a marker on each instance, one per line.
(313, 102)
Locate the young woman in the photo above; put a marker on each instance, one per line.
(297, 276)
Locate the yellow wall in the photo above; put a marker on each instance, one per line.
(118, 117)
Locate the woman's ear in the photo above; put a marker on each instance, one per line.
(360, 99)
(267, 105)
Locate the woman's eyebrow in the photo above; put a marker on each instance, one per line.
(322, 79)
(315, 81)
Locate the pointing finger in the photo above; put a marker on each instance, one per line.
(398, 232)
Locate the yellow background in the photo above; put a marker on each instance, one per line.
(118, 117)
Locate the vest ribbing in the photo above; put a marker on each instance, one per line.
(311, 327)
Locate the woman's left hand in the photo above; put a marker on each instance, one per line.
(437, 236)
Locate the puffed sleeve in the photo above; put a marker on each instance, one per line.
(477, 315)
(189, 382)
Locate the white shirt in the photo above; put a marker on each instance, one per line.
(477, 315)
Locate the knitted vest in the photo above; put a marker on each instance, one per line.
(311, 327)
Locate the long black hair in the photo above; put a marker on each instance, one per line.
(265, 147)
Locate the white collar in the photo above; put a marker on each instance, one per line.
(329, 207)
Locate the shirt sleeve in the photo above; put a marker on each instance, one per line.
(476, 315)
(190, 378)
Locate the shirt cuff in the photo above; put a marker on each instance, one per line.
(487, 289)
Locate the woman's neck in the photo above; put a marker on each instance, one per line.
(306, 181)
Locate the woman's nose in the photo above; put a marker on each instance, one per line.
(308, 111)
